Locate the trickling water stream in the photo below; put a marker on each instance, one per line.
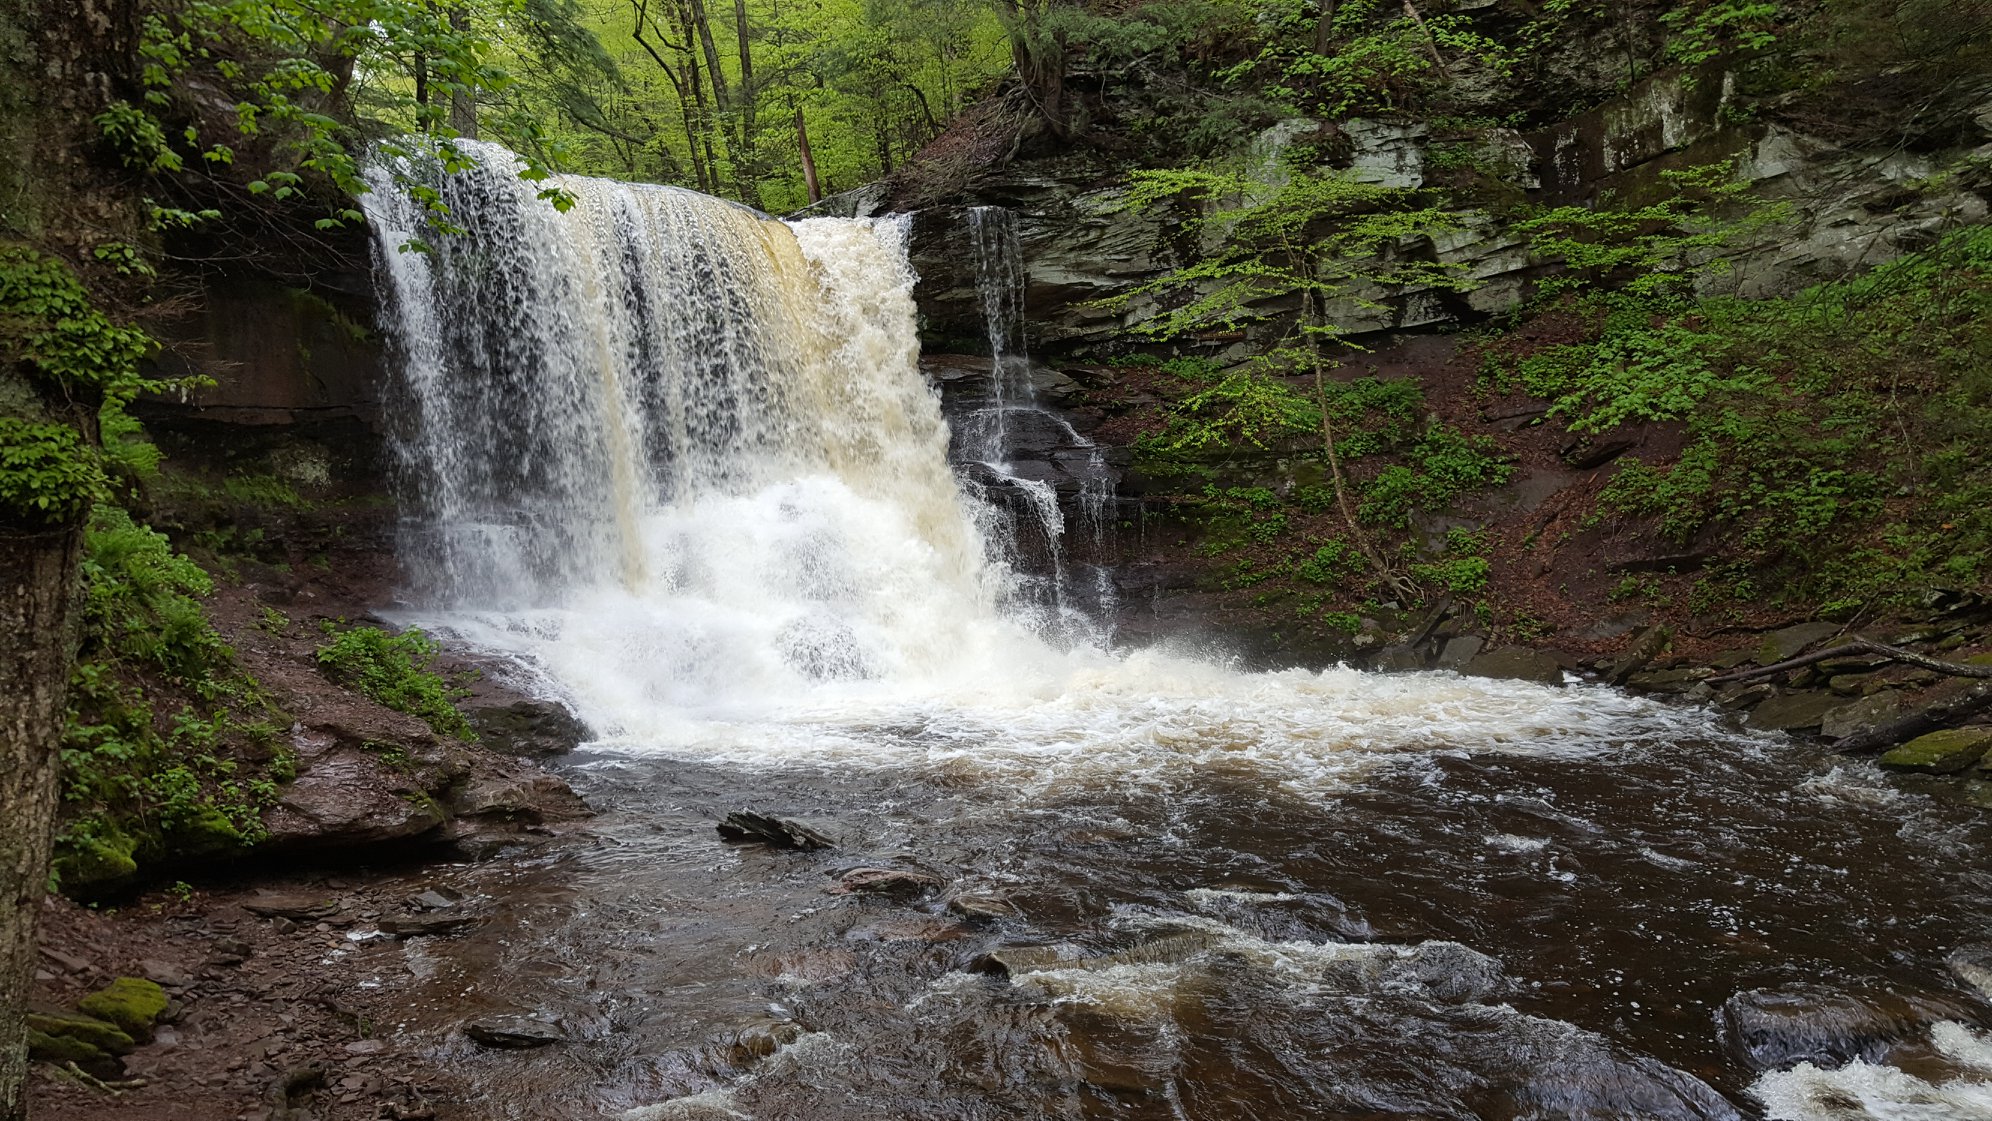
(678, 460)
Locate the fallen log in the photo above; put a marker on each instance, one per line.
(1858, 646)
(1947, 713)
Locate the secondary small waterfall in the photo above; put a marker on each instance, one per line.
(1075, 598)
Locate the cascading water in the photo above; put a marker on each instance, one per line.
(1075, 600)
(678, 459)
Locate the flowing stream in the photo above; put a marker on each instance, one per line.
(678, 461)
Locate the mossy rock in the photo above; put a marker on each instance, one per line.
(61, 1049)
(89, 865)
(1940, 753)
(96, 1033)
(207, 833)
(132, 1003)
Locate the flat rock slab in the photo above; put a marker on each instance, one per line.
(513, 1032)
(415, 926)
(301, 908)
(1794, 712)
(1940, 753)
(1861, 716)
(1782, 645)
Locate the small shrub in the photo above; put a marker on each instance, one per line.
(393, 669)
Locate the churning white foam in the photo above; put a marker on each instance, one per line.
(1863, 1091)
(680, 459)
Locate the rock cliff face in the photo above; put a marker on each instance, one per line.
(1850, 209)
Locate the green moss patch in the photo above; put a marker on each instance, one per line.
(98, 1035)
(132, 1003)
(1941, 753)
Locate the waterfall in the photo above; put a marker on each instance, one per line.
(677, 460)
(1075, 601)
(676, 404)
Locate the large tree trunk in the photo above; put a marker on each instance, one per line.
(37, 624)
(64, 61)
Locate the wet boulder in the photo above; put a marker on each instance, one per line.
(1516, 664)
(529, 727)
(1776, 1028)
(513, 1032)
(746, 826)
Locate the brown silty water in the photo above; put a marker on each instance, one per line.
(677, 462)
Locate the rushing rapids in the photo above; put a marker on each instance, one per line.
(679, 461)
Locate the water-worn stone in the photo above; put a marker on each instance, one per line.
(1861, 716)
(1399, 658)
(1644, 649)
(1459, 651)
(981, 905)
(345, 801)
(1793, 712)
(516, 1032)
(527, 727)
(1667, 680)
(1940, 753)
(1790, 642)
(1515, 663)
(779, 832)
(1745, 696)
(132, 1003)
(1772, 1029)
(1972, 964)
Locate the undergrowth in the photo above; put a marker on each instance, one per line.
(1834, 440)
(170, 749)
(395, 670)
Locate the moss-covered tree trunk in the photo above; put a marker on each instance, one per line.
(61, 63)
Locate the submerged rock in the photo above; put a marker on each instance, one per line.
(416, 926)
(896, 883)
(1771, 1029)
(1973, 965)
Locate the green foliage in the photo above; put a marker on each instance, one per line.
(1834, 439)
(394, 669)
(1654, 252)
(1333, 564)
(141, 605)
(47, 473)
(1283, 235)
(1705, 29)
(159, 717)
(1462, 571)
